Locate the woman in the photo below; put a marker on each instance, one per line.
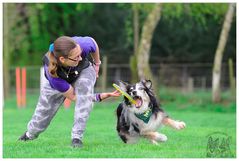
(69, 73)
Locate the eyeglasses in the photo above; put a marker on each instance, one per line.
(77, 58)
(73, 59)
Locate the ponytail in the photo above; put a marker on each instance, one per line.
(52, 67)
(61, 47)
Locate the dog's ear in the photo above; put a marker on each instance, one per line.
(123, 85)
(147, 83)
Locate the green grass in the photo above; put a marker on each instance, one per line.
(101, 140)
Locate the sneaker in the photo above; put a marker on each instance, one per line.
(24, 137)
(76, 143)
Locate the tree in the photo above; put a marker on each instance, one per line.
(216, 76)
(6, 52)
(133, 58)
(143, 55)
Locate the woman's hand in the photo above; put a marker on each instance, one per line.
(114, 94)
(110, 94)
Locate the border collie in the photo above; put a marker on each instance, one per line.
(143, 118)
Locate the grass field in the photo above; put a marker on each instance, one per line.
(101, 140)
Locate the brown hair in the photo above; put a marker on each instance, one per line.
(62, 47)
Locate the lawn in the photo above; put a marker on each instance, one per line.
(101, 140)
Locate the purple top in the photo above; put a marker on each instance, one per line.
(87, 46)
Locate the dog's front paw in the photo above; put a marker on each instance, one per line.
(179, 125)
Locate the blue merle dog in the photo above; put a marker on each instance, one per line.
(143, 118)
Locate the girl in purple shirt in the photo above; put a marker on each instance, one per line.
(71, 67)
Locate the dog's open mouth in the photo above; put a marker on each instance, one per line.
(139, 101)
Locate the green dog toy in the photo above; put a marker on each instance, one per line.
(124, 93)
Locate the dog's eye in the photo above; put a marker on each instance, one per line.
(129, 90)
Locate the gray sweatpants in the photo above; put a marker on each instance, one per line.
(51, 99)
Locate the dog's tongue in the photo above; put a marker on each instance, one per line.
(138, 103)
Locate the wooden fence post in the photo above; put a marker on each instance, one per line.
(104, 74)
(190, 84)
(204, 83)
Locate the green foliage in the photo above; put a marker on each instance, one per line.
(173, 10)
(197, 11)
(185, 30)
(201, 11)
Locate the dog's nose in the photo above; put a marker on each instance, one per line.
(134, 92)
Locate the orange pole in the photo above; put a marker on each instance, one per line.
(18, 87)
(24, 87)
(67, 103)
